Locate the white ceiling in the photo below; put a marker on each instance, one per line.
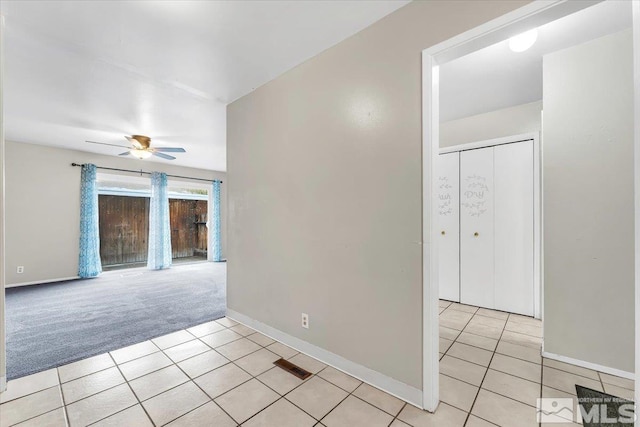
(98, 70)
(495, 77)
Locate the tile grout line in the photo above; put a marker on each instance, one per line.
(189, 378)
(199, 406)
(472, 333)
(244, 382)
(516, 376)
(522, 333)
(457, 336)
(109, 351)
(371, 404)
(44, 413)
(494, 350)
(492, 391)
(175, 363)
(148, 373)
(398, 414)
(64, 405)
(107, 368)
(601, 382)
(571, 373)
(253, 377)
(211, 399)
(117, 366)
(447, 353)
(487, 368)
(132, 391)
(493, 369)
(483, 377)
(280, 396)
(541, 383)
(283, 396)
(340, 403)
(30, 394)
(126, 381)
(299, 385)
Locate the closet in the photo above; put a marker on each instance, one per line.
(486, 220)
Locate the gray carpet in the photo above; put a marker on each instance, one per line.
(57, 323)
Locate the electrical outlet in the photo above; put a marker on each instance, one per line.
(20, 269)
(305, 320)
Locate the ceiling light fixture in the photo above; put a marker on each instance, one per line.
(141, 154)
(523, 41)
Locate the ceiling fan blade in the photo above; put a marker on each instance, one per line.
(104, 143)
(170, 149)
(126, 153)
(163, 156)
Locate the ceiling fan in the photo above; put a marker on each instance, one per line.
(141, 148)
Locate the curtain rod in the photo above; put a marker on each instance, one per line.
(149, 173)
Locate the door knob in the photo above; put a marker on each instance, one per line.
(476, 234)
(442, 232)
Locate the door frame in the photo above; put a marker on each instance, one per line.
(530, 16)
(537, 201)
(636, 168)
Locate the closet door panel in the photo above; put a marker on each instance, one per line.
(449, 226)
(514, 228)
(476, 227)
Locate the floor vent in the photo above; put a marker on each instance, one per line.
(292, 369)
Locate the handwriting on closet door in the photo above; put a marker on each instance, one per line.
(474, 195)
(445, 198)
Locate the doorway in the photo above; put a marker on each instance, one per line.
(489, 217)
(517, 22)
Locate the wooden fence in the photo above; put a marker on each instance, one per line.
(124, 229)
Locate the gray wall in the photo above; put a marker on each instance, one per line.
(43, 207)
(325, 214)
(589, 203)
(525, 118)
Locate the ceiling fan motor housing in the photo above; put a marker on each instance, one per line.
(143, 141)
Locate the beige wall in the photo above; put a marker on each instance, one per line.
(589, 203)
(525, 118)
(43, 207)
(325, 193)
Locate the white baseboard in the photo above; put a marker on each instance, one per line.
(40, 282)
(3, 384)
(589, 365)
(387, 384)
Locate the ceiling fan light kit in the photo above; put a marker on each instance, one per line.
(140, 153)
(523, 41)
(141, 148)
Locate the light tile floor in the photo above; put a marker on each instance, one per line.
(221, 374)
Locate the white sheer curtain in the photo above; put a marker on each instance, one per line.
(89, 264)
(159, 226)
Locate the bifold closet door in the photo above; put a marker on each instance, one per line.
(448, 223)
(476, 227)
(513, 180)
